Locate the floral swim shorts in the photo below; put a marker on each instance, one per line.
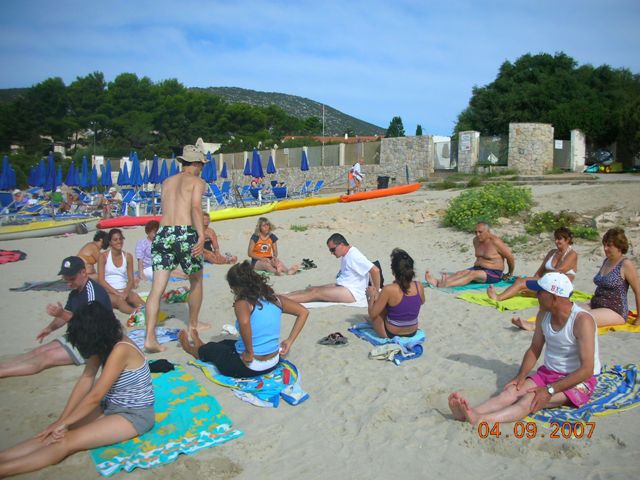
(172, 247)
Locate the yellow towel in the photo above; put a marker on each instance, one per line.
(627, 327)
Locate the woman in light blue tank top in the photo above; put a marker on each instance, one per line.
(88, 421)
(258, 310)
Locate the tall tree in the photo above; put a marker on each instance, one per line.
(418, 130)
(395, 128)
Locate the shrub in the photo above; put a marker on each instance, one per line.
(298, 228)
(515, 240)
(443, 185)
(486, 204)
(474, 182)
(549, 221)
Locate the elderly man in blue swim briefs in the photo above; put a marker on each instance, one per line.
(491, 253)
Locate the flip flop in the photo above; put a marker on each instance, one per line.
(334, 339)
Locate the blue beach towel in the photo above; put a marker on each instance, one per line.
(412, 347)
(618, 389)
(164, 335)
(188, 419)
(263, 390)
(472, 286)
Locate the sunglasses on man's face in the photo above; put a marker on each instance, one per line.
(333, 250)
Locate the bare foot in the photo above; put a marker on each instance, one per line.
(456, 407)
(443, 280)
(232, 259)
(294, 269)
(203, 326)
(197, 341)
(491, 293)
(183, 338)
(153, 346)
(471, 416)
(523, 324)
(430, 279)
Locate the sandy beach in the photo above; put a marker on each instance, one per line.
(365, 418)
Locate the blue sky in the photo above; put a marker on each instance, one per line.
(370, 59)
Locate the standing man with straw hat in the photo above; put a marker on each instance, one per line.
(179, 241)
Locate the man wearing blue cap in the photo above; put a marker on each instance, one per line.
(59, 351)
(571, 360)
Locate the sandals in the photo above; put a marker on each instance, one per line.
(308, 263)
(334, 339)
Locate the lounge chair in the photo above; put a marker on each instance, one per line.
(304, 190)
(317, 187)
(222, 199)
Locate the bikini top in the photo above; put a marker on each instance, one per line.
(549, 265)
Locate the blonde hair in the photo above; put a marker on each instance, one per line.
(263, 221)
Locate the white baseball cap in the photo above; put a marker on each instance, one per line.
(555, 283)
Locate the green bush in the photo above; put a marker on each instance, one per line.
(443, 185)
(298, 228)
(486, 204)
(549, 221)
(474, 182)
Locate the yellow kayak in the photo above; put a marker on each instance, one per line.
(237, 212)
(47, 228)
(305, 202)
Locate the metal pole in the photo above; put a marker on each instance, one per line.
(322, 161)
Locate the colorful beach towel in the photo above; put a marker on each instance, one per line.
(360, 304)
(618, 389)
(58, 285)
(139, 318)
(411, 347)
(263, 390)
(164, 335)
(178, 295)
(472, 286)
(518, 302)
(10, 256)
(188, 419)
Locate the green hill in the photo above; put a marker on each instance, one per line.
(335, 122)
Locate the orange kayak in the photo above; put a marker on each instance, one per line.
(381, 192)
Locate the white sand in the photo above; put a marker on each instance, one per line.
(365, 418)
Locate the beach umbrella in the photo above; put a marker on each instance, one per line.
(32, 178)
(209, 173)
(50, 182)
(247, 168)
(256, 165)
(84, 173)
(213, 168)
(123, 176)
(4, 176)
(135, 179)
(59, 175)
(223, 172)
(93, 178)
(71, 179)
(42, 174)
(154, 175)
(271, 167)
(145, 175)
(163, 173)
(174, 168)
(304, 163)
(11, 182)
(106, 175)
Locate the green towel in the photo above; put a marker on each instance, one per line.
(519, 302)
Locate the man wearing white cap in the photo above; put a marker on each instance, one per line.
(179, 241)
(571, 360)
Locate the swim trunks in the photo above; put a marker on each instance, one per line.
(578, 395)
(493, 275)
(172, 247)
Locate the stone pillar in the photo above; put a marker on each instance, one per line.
(416, 153)
(341, 154)
(468, 151)
(578, 151)
(531, 148)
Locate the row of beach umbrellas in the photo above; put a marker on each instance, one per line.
(46, 175)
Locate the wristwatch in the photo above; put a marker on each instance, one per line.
(551, 390)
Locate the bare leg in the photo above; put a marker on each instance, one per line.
(50, 355)
(324, 293)
(523, 324)
(520, 285)
(431, 280)
(265, 266)
(121, 304)
(195, 302)
(192, 350)
(134, 300)
(103, 431)
(605, 317)
(463, 278)
(160, 280)
(378, 324)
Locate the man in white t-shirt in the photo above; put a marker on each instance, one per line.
(352, 280)
(357, 175)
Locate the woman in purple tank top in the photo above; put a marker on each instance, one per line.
(609, 303)
(395, 312)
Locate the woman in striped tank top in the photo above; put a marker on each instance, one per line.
(115, 407)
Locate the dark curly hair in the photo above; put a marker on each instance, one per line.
(616, 237)
(102, 235)
(94, 330)
(563, 232)
(402, 269)
(112, 232)
(247, 284)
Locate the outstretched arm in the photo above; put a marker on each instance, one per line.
(243, 314)
(531, 355)
(505, 252)
(630, 274)
(196, 215)
(301, 313)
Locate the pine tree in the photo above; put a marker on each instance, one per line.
(395, 128)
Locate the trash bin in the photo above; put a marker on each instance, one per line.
(383, 182)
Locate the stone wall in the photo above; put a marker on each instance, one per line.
(578, 151)
(416, 153)
(530, 148)
(468, 151)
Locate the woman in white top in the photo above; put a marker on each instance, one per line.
(563, 259)
(115, 274)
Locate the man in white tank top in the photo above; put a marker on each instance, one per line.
(571, 360)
